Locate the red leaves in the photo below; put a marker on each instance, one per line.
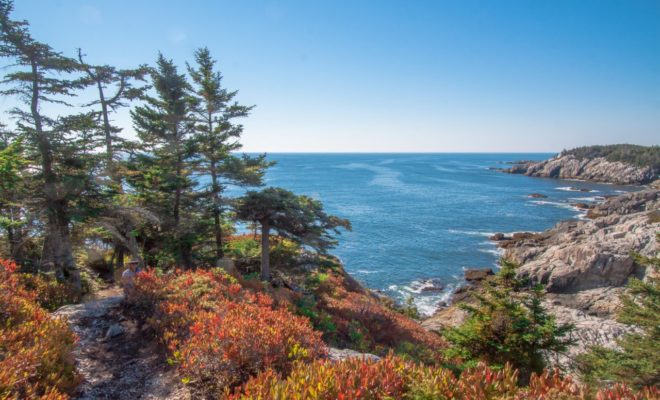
(395, 378)
(221, 334)
(34, 348)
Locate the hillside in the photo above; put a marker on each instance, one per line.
(618, 164)
(641, 156)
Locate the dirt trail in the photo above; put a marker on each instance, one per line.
(115, 357)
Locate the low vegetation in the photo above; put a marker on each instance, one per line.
(219, 333)
(349, 316)
(508, 325)
(35, 349)
(643, 156)
(395, 378)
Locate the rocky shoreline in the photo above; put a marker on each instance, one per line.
(583, 264)
(596, 169)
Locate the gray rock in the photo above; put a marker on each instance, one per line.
(477, 274)
(586, 264)
(113, 331)
(593, 169)
(335, 354)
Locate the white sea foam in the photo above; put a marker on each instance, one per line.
(588, 198)
(426, 303)
(553, 203)
(367, 272)
(497, 251)
(575, 189)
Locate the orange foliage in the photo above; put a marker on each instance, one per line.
(395, 378)
(35, 349)
(358, 315)
(50, 294)
(219, 333)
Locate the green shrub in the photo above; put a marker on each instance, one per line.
(508, 324)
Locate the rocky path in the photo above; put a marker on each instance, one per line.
(114, 356)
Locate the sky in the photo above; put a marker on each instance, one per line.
(395, 76)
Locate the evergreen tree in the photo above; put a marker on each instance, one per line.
(13, 194)
(121, 84)
(217, 139)
(298, 218)
(508, 324)
(54, 145)
(162, 173)
(115, 89)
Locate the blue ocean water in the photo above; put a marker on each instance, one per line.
(421, 217)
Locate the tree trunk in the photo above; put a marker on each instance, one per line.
(109, 151)
(265, 251)
(217, 223)
(58, 252)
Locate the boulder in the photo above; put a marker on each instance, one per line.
(113, 331)
(537, 196)
(477, 274)
(498, 237)
(582, 206)
(335, 354)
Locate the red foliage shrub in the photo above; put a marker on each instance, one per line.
(364, 323)
(219, 333)
(35, 349)
(395, 378)
(50, 294)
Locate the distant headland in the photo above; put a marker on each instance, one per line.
(621, 164)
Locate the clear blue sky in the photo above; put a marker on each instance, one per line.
(394, 76)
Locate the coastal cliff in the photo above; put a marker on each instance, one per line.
(584, 266)
(617, 164)
(595, 169)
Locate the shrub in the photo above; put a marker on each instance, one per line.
(50, 294)
(219, 333)
(394, 378)
(508, 325)
(35, 349)
(352, 317)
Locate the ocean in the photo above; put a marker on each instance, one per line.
(420, 219)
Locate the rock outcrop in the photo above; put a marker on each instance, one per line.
(584, 266)
(575, 256)
(591, 169)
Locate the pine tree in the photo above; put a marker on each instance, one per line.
(298, 218)
(508, 324)
(58, 147)
(217, 139)
(163, 171)
(116, 88)
(13, 194)
(121, 83)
